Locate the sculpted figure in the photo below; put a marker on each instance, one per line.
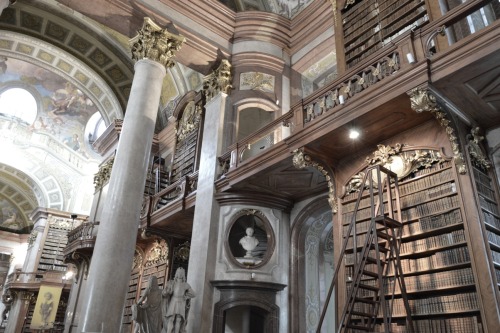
(179, 294)
(249, 242)
(147, 312)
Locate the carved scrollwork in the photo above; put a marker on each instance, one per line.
(157, 254)
(422, 100)
(189, 121)
(101, 178)
(476, 151)
(402, 163)
(32, 238)
(302, 160)
(137, 263)
(155, 43)
(218, 81)
(181, 253)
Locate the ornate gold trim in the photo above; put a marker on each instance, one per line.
(402, 163)
(155, 43)
(189, 121)
(157, 254)
(302, 160)
(218, 81)
(102, 176)
(423, 101)
(476, 151)
(32, 238)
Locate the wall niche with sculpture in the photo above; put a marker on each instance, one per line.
(249, 239)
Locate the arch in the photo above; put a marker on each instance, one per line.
(312, 225)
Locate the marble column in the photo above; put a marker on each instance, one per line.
(109, 272)
(202, 257)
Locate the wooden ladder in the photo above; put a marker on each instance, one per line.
(377, 273)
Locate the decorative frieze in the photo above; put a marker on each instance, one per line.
(423, 101)
(257, 81)
(154, 43)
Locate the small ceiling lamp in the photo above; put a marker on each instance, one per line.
(353, 134)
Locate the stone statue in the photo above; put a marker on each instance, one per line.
(249, 242)
(178, 293)
(148, 310)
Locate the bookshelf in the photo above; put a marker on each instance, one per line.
(490, 214)
(434, 253)
(51, 257)
(155, 263)
(184, 157)
(368, 25)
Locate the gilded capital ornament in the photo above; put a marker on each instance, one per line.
(102, 176)
(154, 43)
(218, 81)
(422, 100)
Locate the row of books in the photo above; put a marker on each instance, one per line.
(154, 269)
(449, 325)
(493, 237)
(432, 222)
(496, 256)
(437, 304)
(424, 244)
(490, 206)
(437, 260)
(425, 183)
(459, 277)
(485, 190)
(491, 219)
(481, 177)
(430, 208)
(432, 193)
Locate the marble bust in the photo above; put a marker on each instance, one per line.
(249, 242)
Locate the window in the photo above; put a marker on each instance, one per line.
(19, 103)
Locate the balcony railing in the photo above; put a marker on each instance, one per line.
(31, 280)
(82, 237)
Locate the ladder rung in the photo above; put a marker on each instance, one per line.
(356, 327)
(370, 260)
(384, 235)
(389, 222)
(370, 273)
(364, 300)
(381, 247)
(362, 314)
(368, 287)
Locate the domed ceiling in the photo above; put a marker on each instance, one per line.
(286, 8)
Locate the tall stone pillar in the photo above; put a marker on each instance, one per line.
(201, 269)
(109, 271)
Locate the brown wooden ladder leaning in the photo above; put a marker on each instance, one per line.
(377, 274)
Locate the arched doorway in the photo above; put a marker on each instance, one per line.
(312, 267)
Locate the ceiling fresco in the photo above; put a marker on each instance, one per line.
(286, 8)
(63, 110)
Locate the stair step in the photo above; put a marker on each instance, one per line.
(368, 287)
(371, 260)
(362, 314)
(370, 273)
(357, 327)
(364, 300)
(389, 222)
(384, 235)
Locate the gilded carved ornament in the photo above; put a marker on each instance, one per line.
(157, 254)
(402, 163)
(302, 160)
(137, 263)
(218, 81)
(181, 253)
(189, 121)
(423, 101)
(476, 151)
(102, 176)
(32, 238)
(154, 43)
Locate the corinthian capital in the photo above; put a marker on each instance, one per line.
(155, 43)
